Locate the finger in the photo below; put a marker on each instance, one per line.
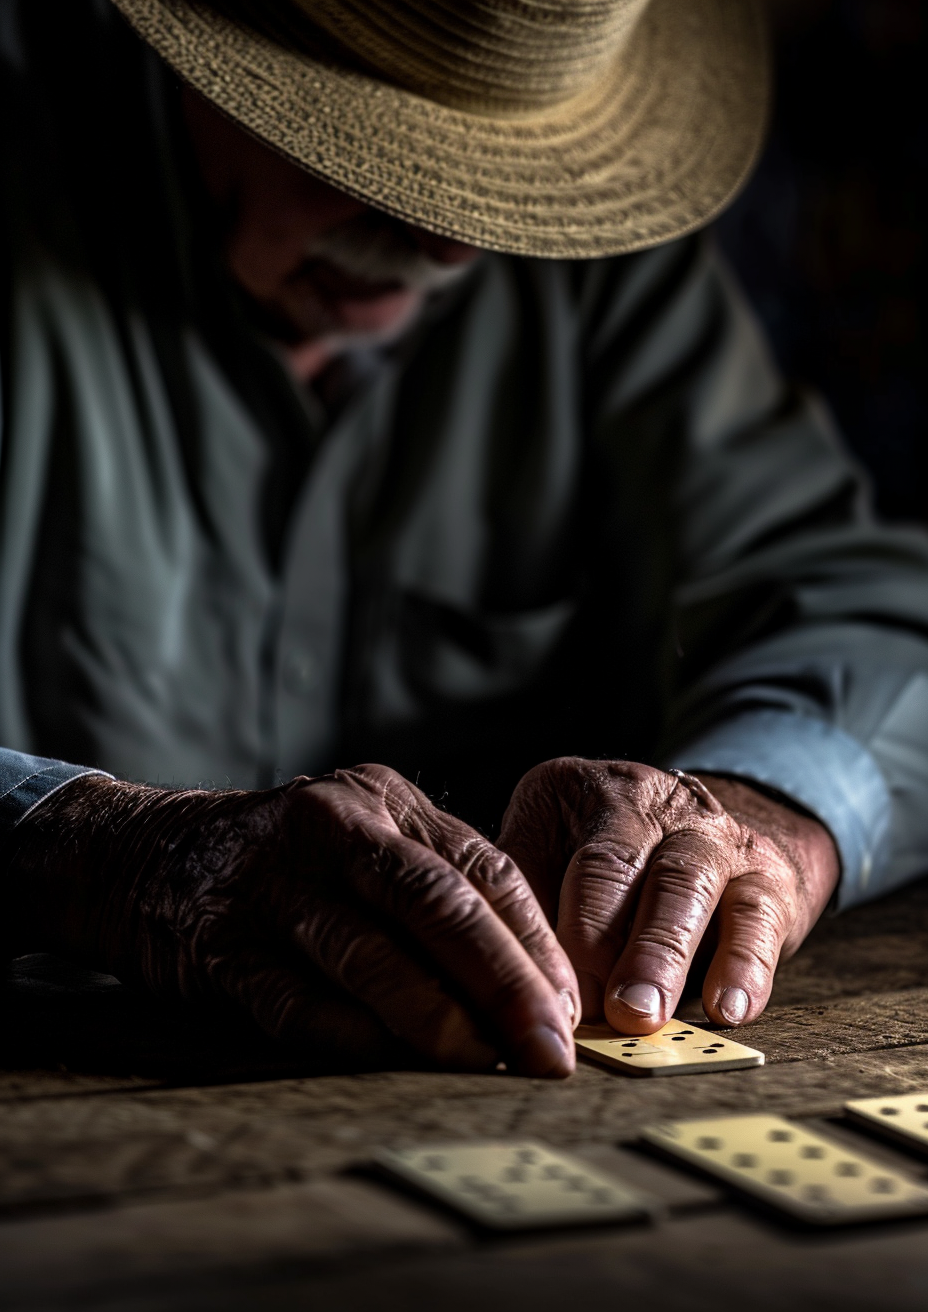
(598, 897)
(494, 874)
(537, 834)
(356, 954)
(754, 919)
(500, 881)
(417, 889)
(582, 831)
(682, 887)
(303, 1009)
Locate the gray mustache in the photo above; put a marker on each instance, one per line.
(377, 249)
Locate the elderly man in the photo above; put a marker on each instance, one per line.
(295, 472)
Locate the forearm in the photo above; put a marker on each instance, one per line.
(83, 863)
(836, 718)
(808, 844)
(25, 782)
(783, 598)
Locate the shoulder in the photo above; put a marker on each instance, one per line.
(611, 288)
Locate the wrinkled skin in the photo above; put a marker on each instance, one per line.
(638, 868)
(344, 910)
(348, 912)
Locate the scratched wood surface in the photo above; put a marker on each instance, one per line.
(152, 1158)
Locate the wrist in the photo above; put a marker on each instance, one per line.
(81, 861)
(801, 836)
(56, 864)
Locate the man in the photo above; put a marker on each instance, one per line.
(296, 474)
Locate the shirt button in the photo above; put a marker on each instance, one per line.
(301, 671)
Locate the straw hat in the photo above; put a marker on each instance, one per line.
(540, 127)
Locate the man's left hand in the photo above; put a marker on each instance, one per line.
(637, 867)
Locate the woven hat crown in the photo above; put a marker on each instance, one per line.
(486, 56)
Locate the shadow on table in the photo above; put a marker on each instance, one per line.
(59, 1017)
(881, 947)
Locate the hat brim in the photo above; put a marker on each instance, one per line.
(655, 150)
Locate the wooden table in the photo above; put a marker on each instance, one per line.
(152, 1161)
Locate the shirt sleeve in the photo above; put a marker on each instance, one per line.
(25, 781)
(824, 770)
(791, 627)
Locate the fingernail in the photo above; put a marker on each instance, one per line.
(642, 999)
(733, 1004)
(567, 1003)
(544, 1052)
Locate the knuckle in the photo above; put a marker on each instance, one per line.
(571, 772)
(369, 773)
(376, 862)
(483, 863)
(763, 952)
(319, 928)
(359, 778)
(593, 915)
(636, 772)
(565, 765)
(544, 774)
(509, 982)
(597, 904)
(607, 779)
(684, 801)
(760, 911)
(691, 877)
(423, 896)
(520, 911)
(763, 855)
(274, 1003)
(381, 784)
(602, 878)
(754, 949)
(608, 862)
(542, 788)
(458, 916)
(353, 954)
(669, 941)
(538, 940)
(362, 962)
(522, 914)
(410, 882)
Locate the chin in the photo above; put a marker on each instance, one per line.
(309, 353)
(386, 315)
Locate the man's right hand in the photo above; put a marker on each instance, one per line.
(339, 911)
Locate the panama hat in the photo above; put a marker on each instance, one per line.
(541, 127)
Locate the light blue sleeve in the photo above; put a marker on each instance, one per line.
(25, 781)
(821, 768)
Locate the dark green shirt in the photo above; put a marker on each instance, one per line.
(577, 511)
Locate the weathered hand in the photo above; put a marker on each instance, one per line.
(339, 911)
(636, 866)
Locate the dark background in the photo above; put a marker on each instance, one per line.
(828, 239)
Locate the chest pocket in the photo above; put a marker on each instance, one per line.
(450, 654)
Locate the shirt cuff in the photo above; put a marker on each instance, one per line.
(25, 781)
(821, 768)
